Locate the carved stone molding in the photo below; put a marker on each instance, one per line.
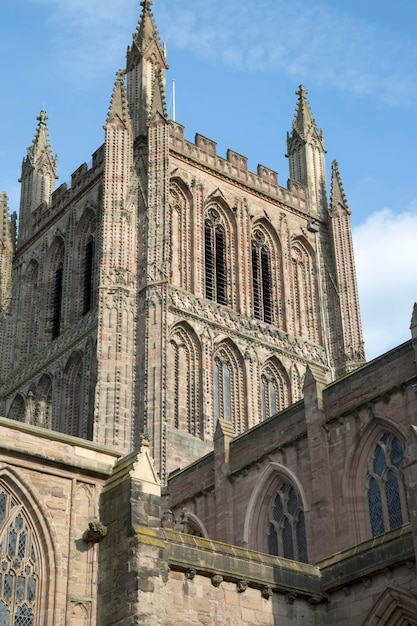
(221, 317)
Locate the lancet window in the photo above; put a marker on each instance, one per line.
(306, 317)
(185, 367)
(275, 389)
(181, 252)
(386, 493)
(286, 525)
(261, 278)
(88, 275)
(215, 258)
(19, 565)
(73, 395)
(229, 390)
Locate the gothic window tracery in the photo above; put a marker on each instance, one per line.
(262, 278)
(306, 318)
(385, 486)
(73, 396)
(19, 565)
(181, 237)
(55, 282)
(29, 304)
(229, 391)
(275, 389)
(185, 366)
(216, 287)
(286, 534)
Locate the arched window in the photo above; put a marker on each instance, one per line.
(275, 389)
(386, 493)
(215, 258)
(17, 411)
(261, 278)
(286, 525)
(306, 315)
(88, 276)
(222, 390)
(73, 396)
(229, 388)
(181, 235)
(185, 368)
(28, 321)
(19, 565)
(55, 286)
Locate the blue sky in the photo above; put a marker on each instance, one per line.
(237, 65)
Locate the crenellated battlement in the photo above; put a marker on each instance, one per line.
(235, 166)
(81, 179)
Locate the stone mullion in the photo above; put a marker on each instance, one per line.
(198, 234)
(243, 279)
(252, 374)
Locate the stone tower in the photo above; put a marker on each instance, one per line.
(167, 287)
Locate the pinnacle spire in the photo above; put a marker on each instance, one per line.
(119, 105)
(337, 193)
(41, 144)
(146, 30)
(303, 118)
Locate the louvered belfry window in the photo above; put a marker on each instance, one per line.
(19, 580)
(88, 276)
(261, 278)
(215, 258)
(57, 302)
(387, 500)
(286, 533)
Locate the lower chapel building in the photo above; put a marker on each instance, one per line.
(190, 432)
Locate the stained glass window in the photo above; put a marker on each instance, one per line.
(386, 494)
(18, 565)
(286, 525)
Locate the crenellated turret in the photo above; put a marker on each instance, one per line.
(145, 64)
(305, 150)
(39, 172)
(7, 246)
(349, 342)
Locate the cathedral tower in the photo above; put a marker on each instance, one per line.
(169, 288)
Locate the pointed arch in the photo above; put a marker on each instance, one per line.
(84, 274)
(180, 201)
(373, 478)
(17, 410)
(184, 363)
(229, 386)
(43, 402)
(28, 315)
(275, 388)
(394, 606)
(54, 288)
(72, 413)
(219, 253)
(275, 518)
(267, 282)
(305, 313)
(28, 559)
(297, 375)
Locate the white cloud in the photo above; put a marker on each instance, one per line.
(386, 263)
(311, 41)
(305, 39)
